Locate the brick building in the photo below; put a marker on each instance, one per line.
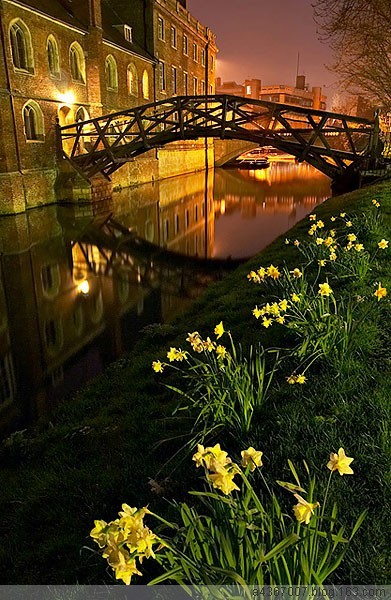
(76, 60)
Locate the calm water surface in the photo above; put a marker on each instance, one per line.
(76, 286)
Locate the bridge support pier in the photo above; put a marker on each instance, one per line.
(72, 188)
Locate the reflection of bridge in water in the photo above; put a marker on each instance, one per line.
(151, 265)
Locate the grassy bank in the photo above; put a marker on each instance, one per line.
(101, 448)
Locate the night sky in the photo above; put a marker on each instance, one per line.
(262, 38)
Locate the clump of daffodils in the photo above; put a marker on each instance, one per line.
(221, 470)
(124, 541)
(198, 345)
(263, 273)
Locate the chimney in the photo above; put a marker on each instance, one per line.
(88, 12)
(300, 82)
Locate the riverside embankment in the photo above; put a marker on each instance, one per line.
(103, 448)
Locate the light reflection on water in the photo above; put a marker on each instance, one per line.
(252, 208)
(72, 299)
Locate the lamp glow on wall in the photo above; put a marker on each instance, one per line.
(67, 97)
(83, 287)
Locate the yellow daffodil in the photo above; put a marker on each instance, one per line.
(274, 309)
(381, 292)
(320, 224)
(157, 366)
(333, 256)
(273, 272)
(193, 338)
(172, 354)
(283, 304)
(359, 247)
(312, 217)
(312, 229)
(291, 379)
(296, 243)
(349, 246)
(295, 297)
(319, 241)
(280, 320)
(287, 241)
(208, 344)
(304, 510)
(333, 233)
(383, 244)
(351, 237)
(266, 322)
(322, 262)
(99, 533)
(252, 276)
(257, 312)
(375, 202)
(349, 224)
(342, 214)
(261, 272)
(126, 569)
(340, 462)
(221, 351)
(211, 457)
(222, 480)
(251, 457)
(325, 289)
(296, 273)
(301, 379)
(332, 219)
(219, 330)
(195, 341)
(328, 241)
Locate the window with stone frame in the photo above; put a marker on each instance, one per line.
(111, 73)
(132, 80)
(53, 56)
(160, 28)
(77, 63)
(145, 85)
(185, 45)
(162, 76)
(33, 122)
(21, 46)
(173, 36)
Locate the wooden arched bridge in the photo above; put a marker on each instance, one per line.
(338, 145)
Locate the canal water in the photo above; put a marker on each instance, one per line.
(77, 284)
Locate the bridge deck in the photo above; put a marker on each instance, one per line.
(332, 142)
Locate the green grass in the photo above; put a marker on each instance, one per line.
(101, 447)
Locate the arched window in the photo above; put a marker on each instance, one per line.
(77, 63)
(53, 56)
(21, 46)
(146, 85)
(111, 73)
(33, 121)
(132, 80)
(82, 114)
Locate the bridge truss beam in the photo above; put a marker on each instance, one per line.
(333, 143)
